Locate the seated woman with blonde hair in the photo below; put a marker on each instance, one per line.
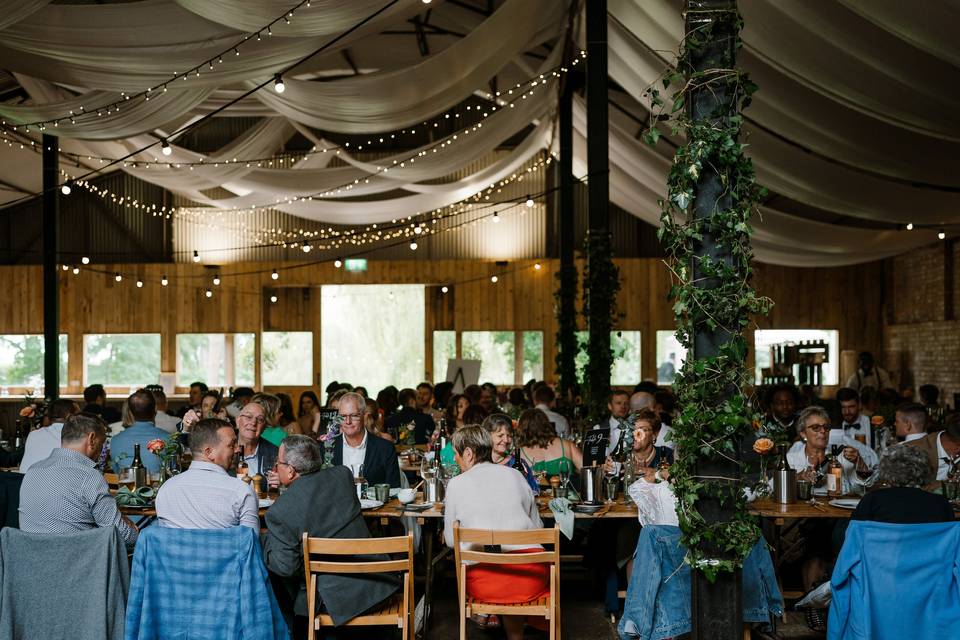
(491, 496)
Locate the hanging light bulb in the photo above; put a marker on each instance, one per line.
(65, 188)
(85, 260)
(418, 229)
(165, 147)
(494, 279)
(278, 85)
(163, 281)
(444, 289)
(273, 299)
(76, 270)
(216, 280)
(942, 235)
(537, 266)
(208, 293)
(413, 245)
(496, 217)
(909, 226)
(196, 256)
(139, 284)
(338, 263)
(65, 267)
(117, 277)
(529, 202)
(306, 247)
(275, 275)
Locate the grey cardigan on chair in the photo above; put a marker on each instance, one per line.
(323, 504)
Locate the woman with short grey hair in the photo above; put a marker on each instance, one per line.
(900, 497)
(491, 496)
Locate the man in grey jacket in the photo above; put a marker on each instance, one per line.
(322, 503)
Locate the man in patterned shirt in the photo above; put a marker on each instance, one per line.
(65, 492)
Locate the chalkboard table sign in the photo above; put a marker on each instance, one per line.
(595, 446)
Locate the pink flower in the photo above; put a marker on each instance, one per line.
(156, 446)
(27, 411)
(323, 438)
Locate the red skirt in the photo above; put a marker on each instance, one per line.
(509, 583)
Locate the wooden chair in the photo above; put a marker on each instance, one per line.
(548, 606)
(395, 611)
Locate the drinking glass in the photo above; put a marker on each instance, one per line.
(427, 470)
(951, 489)
(126, 478)
(359, 480)
(611, 488)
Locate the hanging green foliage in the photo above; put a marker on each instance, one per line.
(715, 414)
(601, 283)
(565, 299)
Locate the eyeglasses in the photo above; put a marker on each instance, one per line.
(255, 419)
(352, 417)
(277, 463)
(820, 426)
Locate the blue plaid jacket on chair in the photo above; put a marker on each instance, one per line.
(201, 584)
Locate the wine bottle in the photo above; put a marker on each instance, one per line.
(243, 468)
(835, 475)
(517, 462)
(137, 469)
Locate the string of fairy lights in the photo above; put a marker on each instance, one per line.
(84, 114)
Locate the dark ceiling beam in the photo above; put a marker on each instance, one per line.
(12, 187)
(422, 44)
(469, 7)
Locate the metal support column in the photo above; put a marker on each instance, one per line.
(51, 279)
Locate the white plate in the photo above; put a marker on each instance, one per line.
(265, 502)
(845, 503)
(367, 503)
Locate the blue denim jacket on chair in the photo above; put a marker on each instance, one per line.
(658, 599)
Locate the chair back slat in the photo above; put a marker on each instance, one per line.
(318, 566)
(506, 558)
(355, 546)
(488, 537)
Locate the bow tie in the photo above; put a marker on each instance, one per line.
(852, 426)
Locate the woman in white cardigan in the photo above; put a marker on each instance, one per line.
(492, 496)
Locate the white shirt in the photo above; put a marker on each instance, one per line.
(656, 503)
(40, 444)
(864, 424)
(878, 379)
(916, 436)
(663, 438)
(253, 463)
(943, 468)
(166, 422)
(205, 496)
(354, 455)
(559, 422)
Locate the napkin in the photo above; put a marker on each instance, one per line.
(560, 507)
(139, 498)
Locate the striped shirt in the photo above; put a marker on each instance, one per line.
(205, 496)
(64, 493)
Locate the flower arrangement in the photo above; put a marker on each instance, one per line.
(329, 440)
(32, 412)
(167, 449)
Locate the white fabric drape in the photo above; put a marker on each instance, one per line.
(13, 11)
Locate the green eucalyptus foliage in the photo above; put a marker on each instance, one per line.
(715, 416)
(601, 283)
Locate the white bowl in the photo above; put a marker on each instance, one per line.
(406, 496)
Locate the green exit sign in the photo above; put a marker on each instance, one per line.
(355, 264)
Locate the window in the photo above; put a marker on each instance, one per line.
(764, 339)
(218, 359)
(373, 335)
(21, 362)
(286, 358)
(626, 357)
(532, 355)
(495, 350)
(121, 359)
(444, 349)
(670, 356)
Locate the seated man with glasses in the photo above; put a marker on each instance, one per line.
(354, 448)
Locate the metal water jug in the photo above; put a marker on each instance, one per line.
(785, 486)
(591, 484)
(433, 490)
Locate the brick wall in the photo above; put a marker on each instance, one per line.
(926, 338)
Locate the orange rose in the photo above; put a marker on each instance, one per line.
(876, 421)
(156, 445)
(27, 411)
(763, 446)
